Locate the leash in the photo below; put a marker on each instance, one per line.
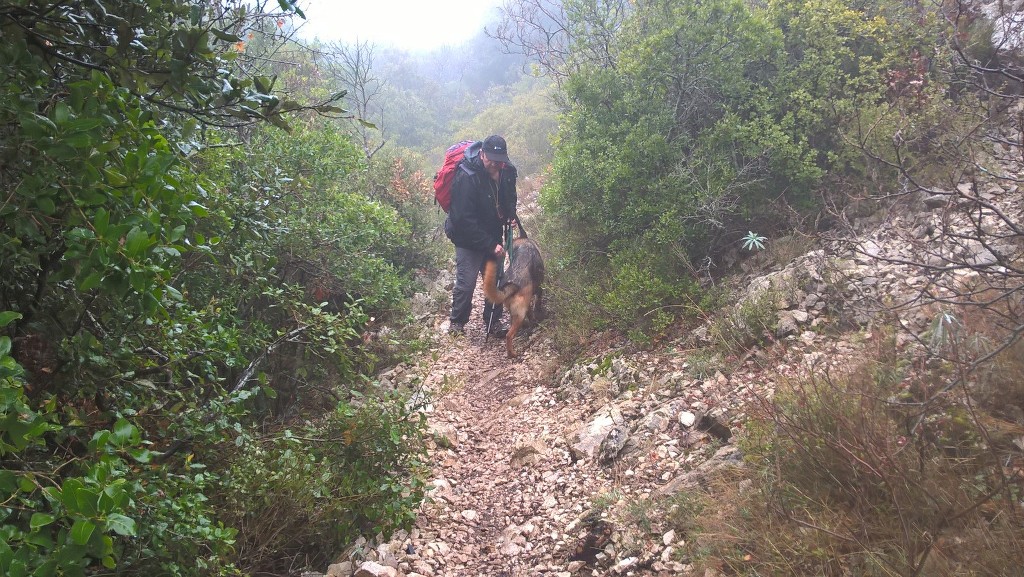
(507, 245)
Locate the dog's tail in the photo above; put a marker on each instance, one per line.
(491, 291)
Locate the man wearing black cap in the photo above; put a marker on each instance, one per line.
(483, 200)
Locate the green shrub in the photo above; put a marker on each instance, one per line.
(161, 275)
(695, 136)
(300, 495)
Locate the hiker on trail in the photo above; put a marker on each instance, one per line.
(483, 200)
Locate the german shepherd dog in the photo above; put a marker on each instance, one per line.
(523, 281)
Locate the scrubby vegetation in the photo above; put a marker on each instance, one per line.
(192, 269)
(867, 470)
(705, 121)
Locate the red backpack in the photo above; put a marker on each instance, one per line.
(444, 177)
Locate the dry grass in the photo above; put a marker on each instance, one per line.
(888, 469)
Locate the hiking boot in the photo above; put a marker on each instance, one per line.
(499, 329)
(456, 329)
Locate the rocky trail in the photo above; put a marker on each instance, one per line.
(506, 487)
(528, 463)
(509, 492)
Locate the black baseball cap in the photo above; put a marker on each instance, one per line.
(496, 149)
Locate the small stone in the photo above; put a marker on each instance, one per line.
(687, 419)
(371, 569)
(575, 566)
(786, 324)
(423, 568)
(625, 563)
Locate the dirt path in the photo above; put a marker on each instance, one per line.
(507, 488)
(521, 482)
(507, 494)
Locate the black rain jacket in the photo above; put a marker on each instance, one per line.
(480, 206)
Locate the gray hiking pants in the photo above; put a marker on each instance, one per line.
(468, 266)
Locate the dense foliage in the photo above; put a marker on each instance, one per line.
(701, 122)
(179, 284)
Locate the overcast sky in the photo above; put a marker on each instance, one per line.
(409, 24)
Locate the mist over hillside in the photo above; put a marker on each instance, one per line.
(429, 97)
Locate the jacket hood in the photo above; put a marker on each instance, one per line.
(472, 155)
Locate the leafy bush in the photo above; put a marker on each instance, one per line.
(154, 299)
(299, 496)
(717, 118)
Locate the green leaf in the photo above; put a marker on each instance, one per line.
(41, 520)
(100, 221)
(46, 205)
(5, 346)
(176, 233)
(114, 177)
(26, 484)
(61, 113)
(52, 494)
(107, 146)
(90, 282)
(67, 493)
(85, 501)
(82, 531)
(78, 140)
(43, 123)
(121, 524)
(7, 316)
(84, 124)
(198, 209)
(124, 433)
(136, 241)
(141, 455)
